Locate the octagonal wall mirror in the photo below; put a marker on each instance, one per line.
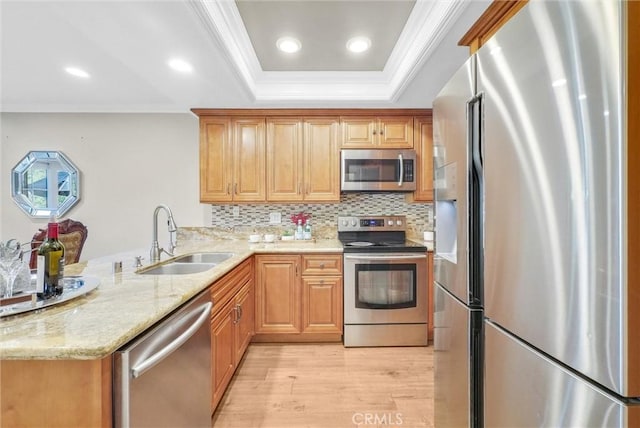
(45, 184)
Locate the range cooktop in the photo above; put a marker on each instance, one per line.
(375, 234)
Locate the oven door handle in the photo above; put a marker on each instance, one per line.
(414, 256)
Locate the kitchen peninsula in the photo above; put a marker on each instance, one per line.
(61, 358)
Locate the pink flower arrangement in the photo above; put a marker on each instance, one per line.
(300, 216)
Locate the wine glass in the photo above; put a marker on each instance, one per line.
(10, 264)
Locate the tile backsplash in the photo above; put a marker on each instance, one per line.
(244, 219)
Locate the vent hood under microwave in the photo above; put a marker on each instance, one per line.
(381, 170)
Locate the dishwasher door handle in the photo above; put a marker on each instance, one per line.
(145, 365)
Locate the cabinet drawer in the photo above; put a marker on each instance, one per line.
(224, 288)
(322, 264)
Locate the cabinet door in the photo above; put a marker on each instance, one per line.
(215, 160)
(424, 159)
(223, 350)
(245, 303)
(321, 160)
(358, 132)
(277, 294)
(284, 159)
(395, 132)
(249, 160)
(322, 304)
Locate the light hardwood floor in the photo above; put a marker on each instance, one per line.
(327, 385)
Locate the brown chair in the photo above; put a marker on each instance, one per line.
(71, 233)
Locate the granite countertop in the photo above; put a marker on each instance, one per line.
(125, 304)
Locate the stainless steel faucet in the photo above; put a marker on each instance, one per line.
(156, 251)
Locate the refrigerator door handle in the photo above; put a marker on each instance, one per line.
(477, 146)
(475, 199)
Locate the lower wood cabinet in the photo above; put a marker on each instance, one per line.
(322, 303)
(232, 325)
(298, 298)
(278, 294)
(223, 350)
(62, 393)
(245, 321)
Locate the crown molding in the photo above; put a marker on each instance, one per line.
(428, 22)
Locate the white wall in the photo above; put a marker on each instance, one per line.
(129, 164)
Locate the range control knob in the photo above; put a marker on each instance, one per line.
(390, 222)
(345, 222)
(354, 223)
(399, 222)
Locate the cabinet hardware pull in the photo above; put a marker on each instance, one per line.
(296, 269)
(240, 311)
(235, 188)
(228, 188)
(321, 265)
(382, 132)
(374, 132)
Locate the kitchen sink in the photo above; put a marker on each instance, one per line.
(189, 263)
(178, 269)
(204, 258)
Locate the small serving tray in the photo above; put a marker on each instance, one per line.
(27, 302)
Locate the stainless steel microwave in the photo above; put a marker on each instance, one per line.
(381, 170)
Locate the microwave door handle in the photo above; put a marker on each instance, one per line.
(401, 170)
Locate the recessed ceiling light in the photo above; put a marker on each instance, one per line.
(289, 44)
(359, 44)
(180, 65)
(77, 72)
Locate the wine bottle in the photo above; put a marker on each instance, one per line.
(50, 265)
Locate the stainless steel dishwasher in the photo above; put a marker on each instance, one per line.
(163, 378)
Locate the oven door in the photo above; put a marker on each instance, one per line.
(385, 288)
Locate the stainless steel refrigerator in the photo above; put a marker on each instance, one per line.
(533, 300)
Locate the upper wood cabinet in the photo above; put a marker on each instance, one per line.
(393, 132)
(493, 18)
(284, 159)
(293, 155)
(303, 159)
(423, 144)
(232, 159)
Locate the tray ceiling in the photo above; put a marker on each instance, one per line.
(124, 48)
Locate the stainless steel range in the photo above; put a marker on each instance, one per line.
(385, 283)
